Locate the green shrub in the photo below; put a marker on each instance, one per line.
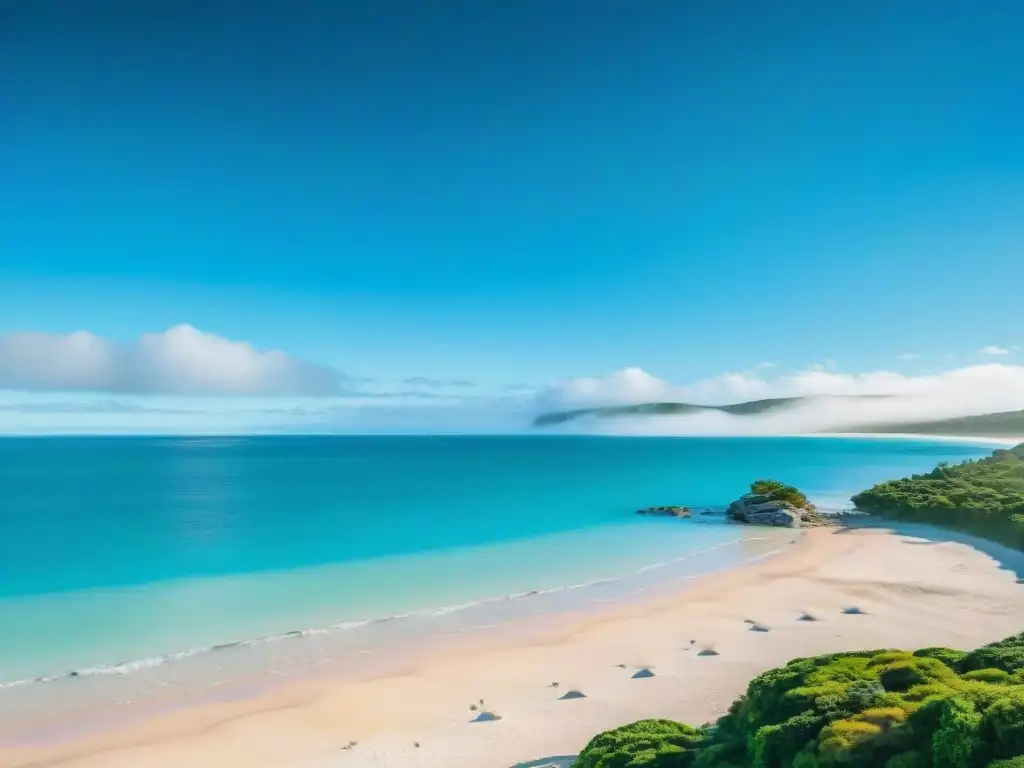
(1007, 654)
(863, 694)
(947, 656)
(984, 497)
(988, 675)
(644, 744)
(957, 743)
(779, 744)
(838, 741)
(913, 670)
(935, 708)
(907, 760)
(1002, 725)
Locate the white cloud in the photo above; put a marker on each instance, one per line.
(87, 413)
(429, 383)
(991, 349)
(971, 390)
(625, 387)
(182, 360)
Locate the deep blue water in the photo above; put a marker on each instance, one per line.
(111, 548)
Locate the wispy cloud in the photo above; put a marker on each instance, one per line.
(42, 413)
(993, 350)
(425, 381)
(909, 356)
(181, 360)
(521, 388)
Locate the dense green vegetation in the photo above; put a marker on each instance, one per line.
(644, 743)
(933, 708)
(1004, 424)
(983, 497)
(775, 489)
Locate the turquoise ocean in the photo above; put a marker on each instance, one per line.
(138, 560)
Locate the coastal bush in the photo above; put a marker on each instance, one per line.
(644, 744)
(947, 656)
(983, 497)
(989, 675)
(1007, 654)
(1002, 725)
(957, 743)
(778, 490)
(931, 708)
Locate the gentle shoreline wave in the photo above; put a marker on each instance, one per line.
(53, 709)
(136, 665)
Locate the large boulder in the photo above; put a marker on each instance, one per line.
(758, 509)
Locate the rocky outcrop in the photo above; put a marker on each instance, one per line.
(758, 509)
(665, 511)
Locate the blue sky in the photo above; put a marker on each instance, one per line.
(520, 192)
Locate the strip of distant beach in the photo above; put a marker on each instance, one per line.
(532, 693)
(997, 441)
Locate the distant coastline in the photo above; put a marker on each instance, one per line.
(974, 439)
(827, 415)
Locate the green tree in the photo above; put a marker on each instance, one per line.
(984, 497)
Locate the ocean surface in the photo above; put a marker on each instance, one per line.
(142, 558)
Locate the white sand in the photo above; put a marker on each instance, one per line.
(914, 593)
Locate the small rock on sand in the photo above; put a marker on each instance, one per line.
(486, 717)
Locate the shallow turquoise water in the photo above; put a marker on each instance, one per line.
(115, 549)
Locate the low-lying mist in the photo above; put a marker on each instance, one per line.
(827, 402)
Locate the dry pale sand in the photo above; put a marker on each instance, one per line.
(911, 593)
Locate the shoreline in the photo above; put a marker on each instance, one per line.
(747, 544)
(931, 596)
(1001, 441)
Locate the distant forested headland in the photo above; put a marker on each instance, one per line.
(1006, 424)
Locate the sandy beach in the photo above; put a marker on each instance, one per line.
(700, 648)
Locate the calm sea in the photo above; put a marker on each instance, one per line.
(131, 551)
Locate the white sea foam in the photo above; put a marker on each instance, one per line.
(149, 663)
